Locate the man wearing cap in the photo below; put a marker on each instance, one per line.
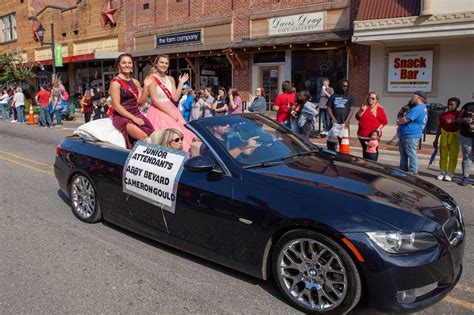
(410, 130)
(42, 99)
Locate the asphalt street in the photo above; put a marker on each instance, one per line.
(51, 263)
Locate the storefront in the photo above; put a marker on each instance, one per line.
(434, 56)
(199, 52)
(303, 48)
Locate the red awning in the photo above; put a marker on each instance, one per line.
(77, 58)
(373, 10)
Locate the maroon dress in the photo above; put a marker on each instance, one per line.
(129, 101)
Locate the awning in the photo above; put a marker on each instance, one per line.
(294, 39)
(248, 43)
(85, 57)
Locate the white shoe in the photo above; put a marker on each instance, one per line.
(13, 121)
(441, 176)
(448, 178)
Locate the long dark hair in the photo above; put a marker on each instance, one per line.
(121, 56)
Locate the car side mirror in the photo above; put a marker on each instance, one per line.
(199, 164)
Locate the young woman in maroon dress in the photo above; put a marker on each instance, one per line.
(125, 92)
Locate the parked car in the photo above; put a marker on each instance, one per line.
(328, 227)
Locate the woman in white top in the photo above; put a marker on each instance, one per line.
(196, 111)
(163, 92)
(19, 101)
(4, 99)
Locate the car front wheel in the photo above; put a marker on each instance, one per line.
(84, 203)
(315, 273)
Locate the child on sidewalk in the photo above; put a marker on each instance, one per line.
(372, 146)
(448, 136)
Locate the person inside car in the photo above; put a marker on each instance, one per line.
(234, 145)
(172, 138)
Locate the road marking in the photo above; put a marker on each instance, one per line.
(25, 159)
(459, 302)
(464, 288)
(27, 166)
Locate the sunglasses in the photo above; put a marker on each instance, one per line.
(345, 86)
(177, 140)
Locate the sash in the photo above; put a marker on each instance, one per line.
(126, 87)
(164, 88)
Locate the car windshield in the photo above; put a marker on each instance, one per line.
(254, 140)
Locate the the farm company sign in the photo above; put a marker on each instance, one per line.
(298, 23)
(410, 71)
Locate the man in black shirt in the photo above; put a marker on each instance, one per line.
(340, 108)
(466, 119)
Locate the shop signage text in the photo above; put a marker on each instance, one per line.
(193, 37)
(298, 23)
(410, 71)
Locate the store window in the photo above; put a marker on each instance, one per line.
(216, 72)
(179, 66)
(309, 67)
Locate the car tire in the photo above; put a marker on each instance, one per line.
(315, 274)
(84, 201)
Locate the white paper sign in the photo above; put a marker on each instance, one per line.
(410, 71)
(298, 23)
(152, 172)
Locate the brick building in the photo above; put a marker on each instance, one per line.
(250, 43)
(89, 44)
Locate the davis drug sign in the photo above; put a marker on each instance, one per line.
(410, 71)
(152, 173)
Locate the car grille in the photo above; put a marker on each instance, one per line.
(453, 231)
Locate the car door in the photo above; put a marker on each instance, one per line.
(204, 210)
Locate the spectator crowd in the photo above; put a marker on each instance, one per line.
(162, 104)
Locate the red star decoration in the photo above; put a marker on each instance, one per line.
(108, 15)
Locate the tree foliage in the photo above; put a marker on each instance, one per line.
(13, 69)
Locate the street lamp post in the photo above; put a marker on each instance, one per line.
(41, 31)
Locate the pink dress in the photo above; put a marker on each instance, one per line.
(161, 121)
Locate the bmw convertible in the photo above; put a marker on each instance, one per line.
(329, 228)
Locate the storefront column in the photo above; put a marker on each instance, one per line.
(71, 78)
(358, 57)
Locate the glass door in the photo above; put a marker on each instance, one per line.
(270, 82)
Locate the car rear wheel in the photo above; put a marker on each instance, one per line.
(315, 273)
(84, 203)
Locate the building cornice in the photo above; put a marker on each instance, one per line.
(414, 27)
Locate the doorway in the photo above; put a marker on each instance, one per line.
(269, 77)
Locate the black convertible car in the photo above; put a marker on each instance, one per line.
(329, 228)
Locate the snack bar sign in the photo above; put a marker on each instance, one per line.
(152, 173)
(410, 71)
(298, 23)
(193, 37)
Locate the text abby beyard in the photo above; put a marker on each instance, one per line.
(152, 173)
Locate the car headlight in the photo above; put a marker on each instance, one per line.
(396, 242)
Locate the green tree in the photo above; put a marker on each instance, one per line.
(13, 69)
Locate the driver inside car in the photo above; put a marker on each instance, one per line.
(234, 145)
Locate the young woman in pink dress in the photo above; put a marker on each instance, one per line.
(163, 91)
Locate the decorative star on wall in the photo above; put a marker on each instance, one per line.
(108, 15)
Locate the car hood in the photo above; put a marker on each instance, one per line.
(365, 179)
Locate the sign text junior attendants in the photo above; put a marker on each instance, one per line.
(152, 173)
(298, 23)
(410, 71)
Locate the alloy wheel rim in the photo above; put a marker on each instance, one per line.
(83, 197)
(312, 274)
